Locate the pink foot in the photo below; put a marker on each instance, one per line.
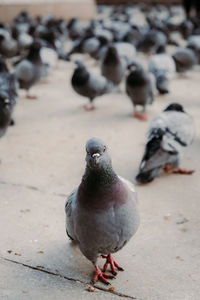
(136, 115)
(169, 168)
(143, 117)
(183, 171)
(31, 97)
(89, 107)
(99, 275)
(110, 260)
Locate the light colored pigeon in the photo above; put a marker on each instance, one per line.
(169, 134)
(163, 67)
(102, 212)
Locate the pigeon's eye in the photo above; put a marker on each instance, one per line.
(87, 151)
(104, 148)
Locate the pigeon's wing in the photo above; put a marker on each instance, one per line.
(69, 215)
(178, 127)
(130, 186)
(127, 183)
(24, 71)
(99, 84)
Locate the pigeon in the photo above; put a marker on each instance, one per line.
(194, 44)
(184, 59)
(102, 212)
(151, 40)
(140, 89)
(8, 46)
(76, 28)
(8, 97)
(88, 84)
(163, 68)
(188, 4)
(29, 70)
(113, 67)
(169, 134)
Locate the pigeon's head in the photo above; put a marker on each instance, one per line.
(97, 154)
(79, 64)
(174, 107)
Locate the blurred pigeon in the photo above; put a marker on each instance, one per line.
(29, 70)
(194, 44)
(140, 88)
(113, 66)
(8, 46)
(163, 67)
(8, 97)
(76, 28)
(170, 132)
(184, 59)
(88, 84)
(151, 40)
(102, 213)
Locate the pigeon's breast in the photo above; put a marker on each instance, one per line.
(102, 199)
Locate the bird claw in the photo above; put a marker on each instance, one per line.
(139, 116)
(110, 260)
(31, 97)
(169, 168)
(89, 107)
(143, 117)
(183, 171)
(99, 275)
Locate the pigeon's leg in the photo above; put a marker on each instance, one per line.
(143, 116)
(135, 113)
(110, 260)
(90, 106)
(99, 275)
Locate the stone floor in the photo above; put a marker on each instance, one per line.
(43, 159)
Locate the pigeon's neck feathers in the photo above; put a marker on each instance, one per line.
(101, 189)
(137, 78)
(80, 77)
(111, 57)
(97, 179)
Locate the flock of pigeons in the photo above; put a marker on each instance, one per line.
(29, 49)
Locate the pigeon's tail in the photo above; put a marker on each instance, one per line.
(145, 177)
(162, 84)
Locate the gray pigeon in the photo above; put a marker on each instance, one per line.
(8, 97)
(102, 212)
(30, 70)
(140, 89)
(169, 134)
(8, 46)
(163, 68)
(88, 84)
(113, 67)
(184, 59)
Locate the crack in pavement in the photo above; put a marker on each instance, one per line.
(68, 278)
(33, 188)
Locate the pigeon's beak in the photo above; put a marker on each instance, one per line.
(95, 157)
